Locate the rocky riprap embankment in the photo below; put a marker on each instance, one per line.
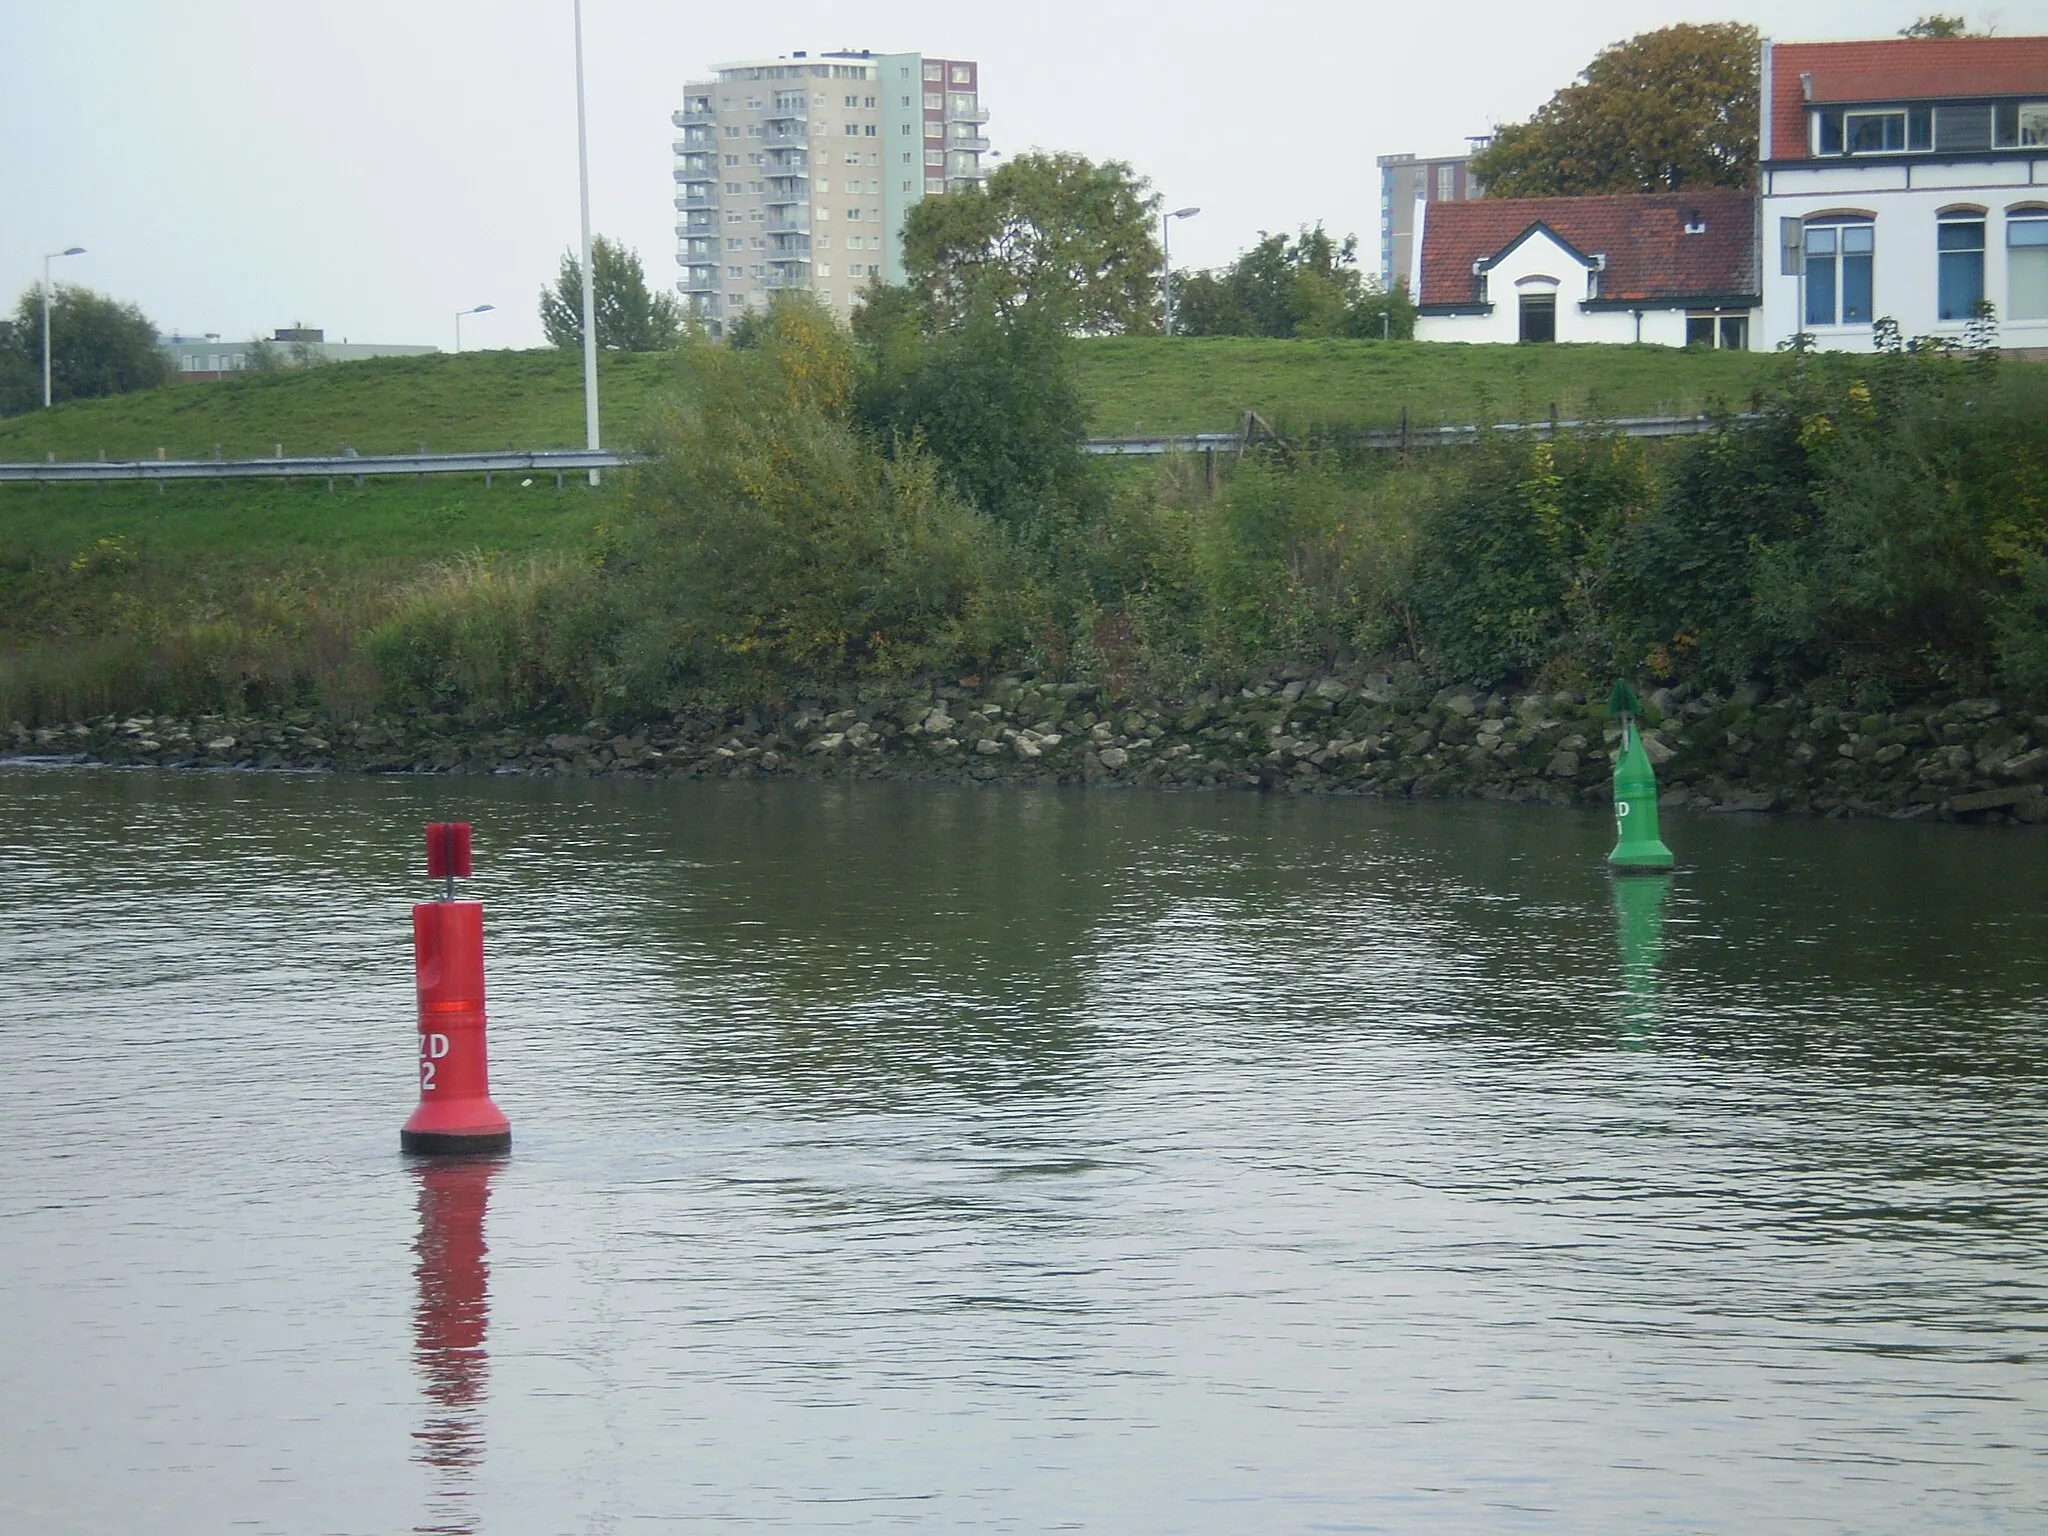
(1363, 733)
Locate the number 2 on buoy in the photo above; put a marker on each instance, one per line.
(432, 1049)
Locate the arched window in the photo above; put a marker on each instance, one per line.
(1840, 253)
(2026, 262)
(1959, 246)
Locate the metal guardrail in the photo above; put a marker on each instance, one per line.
(326, 467)
(562, 461)
(1407, 437)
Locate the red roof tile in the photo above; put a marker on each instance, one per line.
(1897, 69)
(1649, 255)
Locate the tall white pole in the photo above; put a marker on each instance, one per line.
(589, 278)
(48, 257)
(1166, 245)
(46, 333)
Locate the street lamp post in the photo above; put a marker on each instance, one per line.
(589, 278)
(1166, 246)
(481, 309)
(48, 257)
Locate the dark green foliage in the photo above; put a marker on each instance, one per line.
(1305, 287)
(1687, 569)
(98, 347)
(1055, 231)
(1937, 25)
(1511, 569)
(995, 399)
(773, 543)
(629, 318)
(1883, 526)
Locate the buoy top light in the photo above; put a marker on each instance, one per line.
(448, 853)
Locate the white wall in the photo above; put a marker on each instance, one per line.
(1904, 266)
(1540, 257)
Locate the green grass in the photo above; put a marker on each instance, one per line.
(475, 401)
(484, 400)
(1149, 384)
(72, 556)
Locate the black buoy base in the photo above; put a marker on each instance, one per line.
(456, 1143)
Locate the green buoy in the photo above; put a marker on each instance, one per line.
(1637, 845)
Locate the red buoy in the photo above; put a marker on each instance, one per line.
(455, 1113)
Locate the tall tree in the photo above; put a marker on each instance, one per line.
(1667, 109)
(1937, 25)
(1053, 230)
(629, 318)
(98, 346)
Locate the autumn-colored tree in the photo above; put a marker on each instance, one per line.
(1670, 109)
(1053, 231)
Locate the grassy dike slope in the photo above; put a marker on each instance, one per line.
(1147, 384)
(482, 400)
(65, 550)
(452, 403)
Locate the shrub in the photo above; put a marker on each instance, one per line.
(489, 642)
(773, 541)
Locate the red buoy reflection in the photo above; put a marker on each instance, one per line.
(451, 1319)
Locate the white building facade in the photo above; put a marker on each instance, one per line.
(1905, 180)
(798, 172)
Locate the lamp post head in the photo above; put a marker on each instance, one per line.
(1183, 213)
(76, 250)
(481, 308)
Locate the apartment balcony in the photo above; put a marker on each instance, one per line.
(779, 120)
(789, 223)
(793, 248)
(971, 115)
(797, 133)
(698, 280)
(968, 146)
(792, 163)
(787, 191)
(788, 277)
(685, 116)
(688, 201)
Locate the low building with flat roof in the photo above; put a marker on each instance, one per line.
(199, 358)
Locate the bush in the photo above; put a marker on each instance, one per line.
(489, 642)
(773, 542)
(1511, 571)
(997, 400)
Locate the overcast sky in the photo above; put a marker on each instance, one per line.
(372, 167)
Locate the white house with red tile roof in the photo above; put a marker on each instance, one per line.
(1904, 178)
(1669, 268)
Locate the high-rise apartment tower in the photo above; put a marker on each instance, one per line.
(797, 172)
(1406, 181)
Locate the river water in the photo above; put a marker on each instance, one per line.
(916, 1158)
